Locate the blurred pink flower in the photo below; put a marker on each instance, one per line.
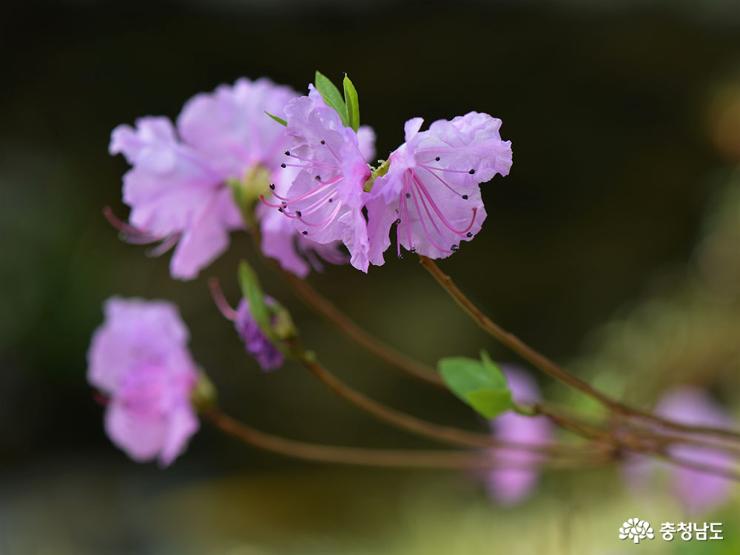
(431, 191)
(326, 197)
(698, 491)
(139, 359)
(510, 486)
(177, 187)
(294, 251)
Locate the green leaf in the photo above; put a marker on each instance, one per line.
(331, 95)
(353, 103)
(280, 120)
(252, 292)
(479, 383)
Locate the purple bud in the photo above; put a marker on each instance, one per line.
(256, 342)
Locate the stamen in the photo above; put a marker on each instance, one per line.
(310, 209)
(326, 222)
(441, 180)
(271, 204)
(220, 300)
(439, 213)
(164, 246)
(129, 233)
(424, 227)
(471, 172)
(305, 195)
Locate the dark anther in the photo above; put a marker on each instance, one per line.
(298, 213)
(331, 200)
(287, 153)
(280, 209)
(304, 232)
(453, 248)
(408, 195)
(437, 159)
(323, 142)
(272, 186)
(465, 197)
(317, 178)
(398, 221)
(283, 166)
(469, 234)
(471, 172)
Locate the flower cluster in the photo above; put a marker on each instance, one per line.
(177, 188)
(317, 187)
(698, 491)
(140, 361)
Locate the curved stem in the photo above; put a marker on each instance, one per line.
(345, 324)
(446, 434)
(455, 460)
(354, 332)
(551, 368)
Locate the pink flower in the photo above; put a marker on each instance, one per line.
(294, 251)
(326, 197)
(698, 491)
(177, 187)
(140, 360)
(431, 191)
(510, 486)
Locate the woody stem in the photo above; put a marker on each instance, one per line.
(552, 369)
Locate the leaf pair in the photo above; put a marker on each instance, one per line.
(348, 107)
(479, 383)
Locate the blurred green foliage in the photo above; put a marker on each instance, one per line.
(624, 122)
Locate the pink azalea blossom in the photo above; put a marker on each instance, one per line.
(510, 486)
(431, 191)
(326, 197)
(177, 187)
(698, 491)
(294, 251)
(139, 359)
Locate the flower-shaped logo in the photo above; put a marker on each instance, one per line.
(636, 529)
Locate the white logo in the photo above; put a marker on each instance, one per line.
(636, 529)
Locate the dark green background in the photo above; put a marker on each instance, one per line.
(609, 112)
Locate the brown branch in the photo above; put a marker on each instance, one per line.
(354, 332)
(445, 434)
(551, 368)
(455, 460)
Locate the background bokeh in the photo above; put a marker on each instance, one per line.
(614, 245)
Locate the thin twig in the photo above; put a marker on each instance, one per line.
(446, 434)
(551, 368)
(357, 334)
(455, 460)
